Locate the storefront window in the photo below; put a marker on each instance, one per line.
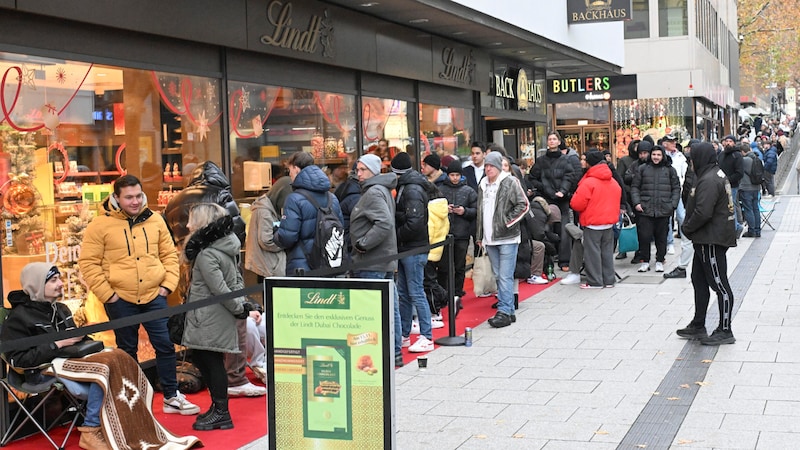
(672, 18)
(386, 119)
(269, 123)
(445, 130)
(583, 113)
(639, 25)
(633, 119)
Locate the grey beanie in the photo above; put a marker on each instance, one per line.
(494, 159)
(33, 278)
(372, 161)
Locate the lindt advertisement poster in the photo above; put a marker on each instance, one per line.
(330, 351)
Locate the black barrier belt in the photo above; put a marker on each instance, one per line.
(137, 319)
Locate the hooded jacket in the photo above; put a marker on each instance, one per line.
(263, 256)
(438, 226)
(656, 188)
(372, 226)
(214, 250)
(597, 197)
(207, 185)
(132, 256)
(511, 205)
(553, 172)
(348, 193)
(411, 213)
(460, 194)
(709, 209)
(299, 219)
(32, 315)
(730, 161)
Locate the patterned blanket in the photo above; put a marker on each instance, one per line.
(127, 416)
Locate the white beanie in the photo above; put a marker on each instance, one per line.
(372, 162)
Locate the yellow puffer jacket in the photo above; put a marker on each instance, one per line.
(132, 256)
(438, 226)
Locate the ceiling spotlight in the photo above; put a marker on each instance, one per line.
(370, 4)
(459, 33)
(520, 52)
(418, 21)
(494, 44)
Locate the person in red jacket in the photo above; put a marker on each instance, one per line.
(597, 200)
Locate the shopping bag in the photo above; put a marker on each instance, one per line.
(628, 236)
(483, 281)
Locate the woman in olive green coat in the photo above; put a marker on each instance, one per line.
(213, 249)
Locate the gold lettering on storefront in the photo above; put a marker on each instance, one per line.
(284, 35)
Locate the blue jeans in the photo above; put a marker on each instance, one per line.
(373, 275)
(504, 259)
(93, 394)
(750, 211)
(128, 338)
(737, 210)
(410, 275)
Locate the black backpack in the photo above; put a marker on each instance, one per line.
(328, 248)
(756, 171)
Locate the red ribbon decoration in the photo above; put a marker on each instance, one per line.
(60, 147)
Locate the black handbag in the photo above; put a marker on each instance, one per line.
(175, 325)
(80, 349)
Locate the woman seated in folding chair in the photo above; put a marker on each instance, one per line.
(35, 311)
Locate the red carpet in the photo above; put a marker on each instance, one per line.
(249, 420)
(476, 311)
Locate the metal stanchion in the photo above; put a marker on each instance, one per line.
(452, 311)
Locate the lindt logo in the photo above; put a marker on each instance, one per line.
(284, 35)
(458, 71)
(324, 298)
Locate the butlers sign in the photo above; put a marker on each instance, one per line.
(591, 11)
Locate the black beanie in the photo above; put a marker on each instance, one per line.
(433, 161)
(401, 163)
(594, 157)
(455, 167)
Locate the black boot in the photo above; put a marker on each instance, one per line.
(516, 301)
(218, 418)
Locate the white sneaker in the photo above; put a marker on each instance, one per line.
(179, 405)
(406, 342)
(670, 250)
(436, 316)
(414, 327)
(659, 267)
(536, 279)
(487, 294)
(423, 344)
(572, 278)
(247, 390)
(645, 267)
(437, 324)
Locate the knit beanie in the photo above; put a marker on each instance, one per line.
(401, 163)
(494, 159)
(372, 162)
(433, 161)
(454, 167)
(33, 278)
(594, 157)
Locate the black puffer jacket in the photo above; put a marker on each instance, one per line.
(730, 161)
(460, 194)
(709, 209)
(411, 213)
(348, 193)
(553, 173)
(31, 318)
(208, 185)
(656, 187)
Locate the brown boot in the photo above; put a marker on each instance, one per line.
(92, 439)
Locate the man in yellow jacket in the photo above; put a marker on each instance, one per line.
(129, 261)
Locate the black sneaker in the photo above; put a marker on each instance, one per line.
(678, 272)
(501, 320)
(636, 260)
(719, 337)
(398, 360)
(748, 234)
(692, 331)
(621, 256)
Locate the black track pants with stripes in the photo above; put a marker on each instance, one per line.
(710, 271)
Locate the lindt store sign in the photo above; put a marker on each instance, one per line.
(307, 34)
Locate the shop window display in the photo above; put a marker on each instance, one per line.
(387, 127)
(269, 123)
(68, 129)
(445, 130)
(634, 119)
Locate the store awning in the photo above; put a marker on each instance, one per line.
(460, 23)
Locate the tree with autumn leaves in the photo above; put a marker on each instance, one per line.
(770, 41)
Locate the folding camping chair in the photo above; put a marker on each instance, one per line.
(766, 208)
(30, 400)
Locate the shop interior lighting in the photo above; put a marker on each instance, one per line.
(417, 21)
(370, 4)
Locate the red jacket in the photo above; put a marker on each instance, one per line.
(597, 197)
